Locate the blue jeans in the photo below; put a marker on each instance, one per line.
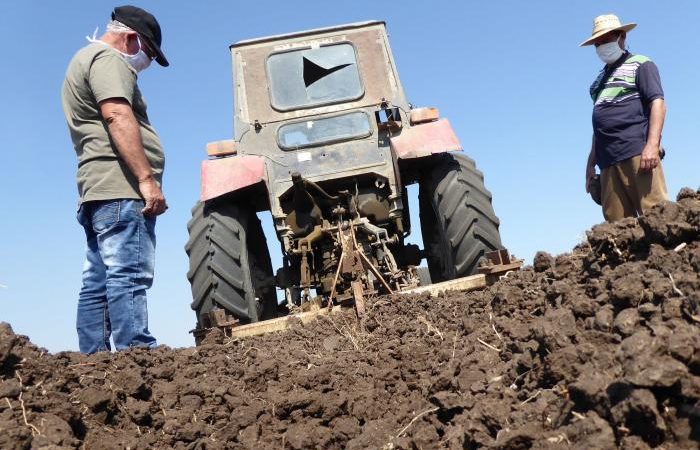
(118, 269)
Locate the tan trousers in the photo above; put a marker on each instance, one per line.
(628, 191)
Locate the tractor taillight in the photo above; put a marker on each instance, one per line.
(422, 115)
(221, 148)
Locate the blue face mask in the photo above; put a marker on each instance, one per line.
(610, 52)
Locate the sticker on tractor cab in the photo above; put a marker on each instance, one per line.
(313, 77)
(303, 156)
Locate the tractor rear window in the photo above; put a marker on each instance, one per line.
(323, 131)
(313, 77)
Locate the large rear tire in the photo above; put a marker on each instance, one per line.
(230, 265)
(457, 218)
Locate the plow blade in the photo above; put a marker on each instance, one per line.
(498, 264)
(463, 284)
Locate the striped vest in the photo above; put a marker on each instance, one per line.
(619, 86)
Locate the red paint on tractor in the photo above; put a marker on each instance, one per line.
(221, 176)
(425, 139)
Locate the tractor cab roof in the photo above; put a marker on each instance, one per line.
(312, 32)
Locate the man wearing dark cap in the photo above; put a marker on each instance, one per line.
(120, 167)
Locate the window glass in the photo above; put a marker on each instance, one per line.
(310, 77)
(322, 131)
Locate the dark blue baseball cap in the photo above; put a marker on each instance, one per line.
(145, 25)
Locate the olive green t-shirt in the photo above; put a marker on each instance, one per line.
(98, 72)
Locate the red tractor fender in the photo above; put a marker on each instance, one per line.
(224, 175)
(425, 139)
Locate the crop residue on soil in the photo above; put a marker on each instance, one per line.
(598, 348)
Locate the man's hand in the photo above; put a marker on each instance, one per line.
(590, 165)
(153, 197)
(590, 174)
(650, 157)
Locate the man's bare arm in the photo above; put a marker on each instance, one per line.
(650, 154)
(126, 134)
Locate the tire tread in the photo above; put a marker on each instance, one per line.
(457, 207)
(228, 259)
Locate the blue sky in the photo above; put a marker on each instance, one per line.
(509, 75)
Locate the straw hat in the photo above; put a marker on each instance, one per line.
(605, 24)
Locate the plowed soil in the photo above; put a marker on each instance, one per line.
(598, 348)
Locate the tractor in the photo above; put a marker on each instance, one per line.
(326, 141)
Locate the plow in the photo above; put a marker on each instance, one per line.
(499, 264)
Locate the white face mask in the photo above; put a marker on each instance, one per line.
(139, 61)
(610, 52)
